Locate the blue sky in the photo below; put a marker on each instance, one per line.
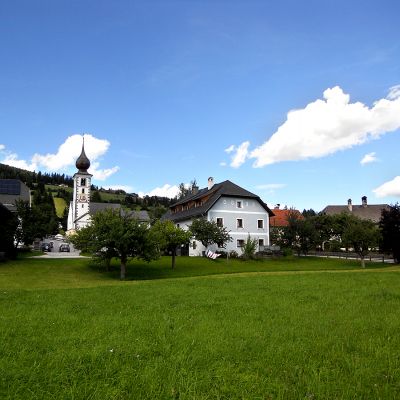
(283, 98)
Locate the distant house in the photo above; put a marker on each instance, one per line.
(365, 211)
(238, 210)
(12, 190)
(81, 209)
(280, 218)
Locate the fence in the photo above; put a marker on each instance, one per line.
(376, 257)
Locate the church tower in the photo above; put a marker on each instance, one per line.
(79, 216)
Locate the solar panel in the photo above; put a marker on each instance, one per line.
(10, 186)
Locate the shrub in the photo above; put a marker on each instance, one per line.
(249, 249)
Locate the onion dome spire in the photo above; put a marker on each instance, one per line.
(83, 163)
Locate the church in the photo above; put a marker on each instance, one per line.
(81, 208)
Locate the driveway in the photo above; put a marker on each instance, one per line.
(55, 253)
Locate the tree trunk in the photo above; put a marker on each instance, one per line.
(173, 258)
(123, 268)
(362, 262)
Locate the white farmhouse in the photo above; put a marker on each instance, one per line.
(241, 212)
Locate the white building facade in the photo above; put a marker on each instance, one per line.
(242, 213)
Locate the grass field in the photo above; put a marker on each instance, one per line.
(284, 329)
(60, 205)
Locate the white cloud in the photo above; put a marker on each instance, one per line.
(2, 147)
(368, 158)
(66, 156)
(222, 164)
(241, 153)
(394, 92)
(167, 190)
(69, 151)
(12, 160)
(230, 149)
(390, 188)
(126, 188)
(324, 127)
(101, 174)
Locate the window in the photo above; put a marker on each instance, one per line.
(239, 204)
(260, 242)
(83, 190)
(177, 225)
(260, 224)
(194, 245)
(239, 243)
(239, 223)
(220, 221)
(220, 245)
(83, 181)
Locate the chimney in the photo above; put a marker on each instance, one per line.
(364, 201)
(210, 182)
(195, 189)
(349, 205)
(277, 206)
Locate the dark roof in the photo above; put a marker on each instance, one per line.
(141, 215)
(371, 211)
(96, 207)
(226, 188)
(10, 186)
(12, 190)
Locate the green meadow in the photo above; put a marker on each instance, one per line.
(304, 328)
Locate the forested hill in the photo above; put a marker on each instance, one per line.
(30, 178)
(101, 195)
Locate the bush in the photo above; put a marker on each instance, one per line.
(249, 249)
(233, 254)
(287, 252)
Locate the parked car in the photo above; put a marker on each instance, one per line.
(45, 247)
(64, 247)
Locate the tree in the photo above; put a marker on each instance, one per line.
(362, 235)
(307, 235)
(114, 233)
(249, 248)
(185, 190)
(171, 237)
(9, 225)
(390, 228)
(95, 197)
(208, 233)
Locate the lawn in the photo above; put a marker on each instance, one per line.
(60, 206)
(285, 329)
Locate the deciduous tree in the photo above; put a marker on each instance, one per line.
(362, 235)
(390, 228)
(114, 233)
(170, 237)
(208, 232)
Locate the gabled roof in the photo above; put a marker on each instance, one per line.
(280, 219)
(209, 197)
(142, 215)
(371, 211)
(96, 207)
